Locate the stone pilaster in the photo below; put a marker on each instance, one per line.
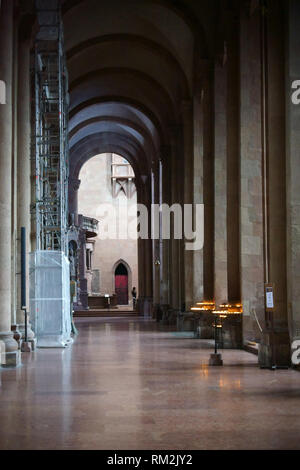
(10, 355)
(23, 175)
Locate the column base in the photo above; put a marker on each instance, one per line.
(145, 305)
(21, 330)
(204, 326)
(185, 321)
(12, 359)
(9, 350)
(83, 294)
(157, 312)
(17, 334)
(169, 316)
(274, 350)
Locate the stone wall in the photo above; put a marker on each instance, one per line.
(96, 189)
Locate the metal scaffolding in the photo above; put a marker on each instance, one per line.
(50, 141)
(49, 265)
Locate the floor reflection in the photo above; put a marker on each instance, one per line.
(133, 384)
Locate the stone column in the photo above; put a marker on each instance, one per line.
(293, 168)
(188, 255)
(145, 253)
(141, 261)
(220, 238)
(276, 343)
(204, 177)
(23, 176)
(14, 187)
(148, 253)
(233, 154)
(251, 176)
(175, 255)
(208, 179)
(156, 239)
(10, 356)
(198, 262)
(74, 185)
(165, 243)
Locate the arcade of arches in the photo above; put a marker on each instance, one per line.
(201, 98)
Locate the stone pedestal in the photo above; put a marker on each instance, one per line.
(215, 360)
(9, 353)
(26, 347)
(17, 335)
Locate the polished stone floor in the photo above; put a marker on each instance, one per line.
(131, 384)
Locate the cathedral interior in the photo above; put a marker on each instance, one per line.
(153, 342)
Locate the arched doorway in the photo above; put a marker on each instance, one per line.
(121, 284)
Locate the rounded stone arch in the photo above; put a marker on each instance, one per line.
(129, 271)
(141, 131)
(180, 9)
(143, 42)
(117, 111)
(85, 152)
(162, 131)
(117, 130)
(133, 74)
(97, 144)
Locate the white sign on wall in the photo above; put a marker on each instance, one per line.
(270, 300)
(269, 291)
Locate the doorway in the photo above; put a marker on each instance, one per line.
(121, 284)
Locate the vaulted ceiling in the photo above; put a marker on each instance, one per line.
(131, 65)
